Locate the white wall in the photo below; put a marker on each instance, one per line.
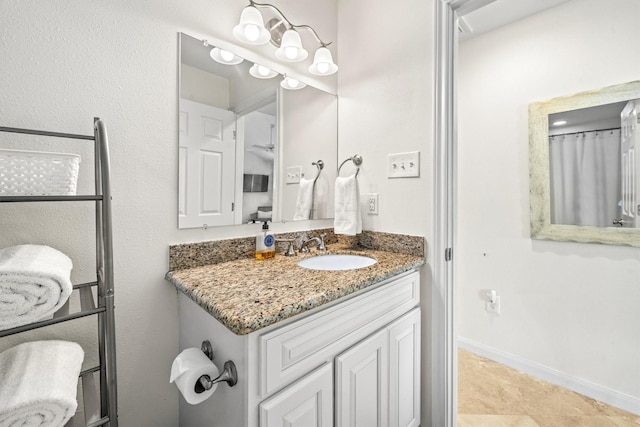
(64, 63)
(569, 307)
(386, 106)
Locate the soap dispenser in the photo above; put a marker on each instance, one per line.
(265, 243)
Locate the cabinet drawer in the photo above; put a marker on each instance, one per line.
(292, 350)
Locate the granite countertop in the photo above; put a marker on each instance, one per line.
(248, 294)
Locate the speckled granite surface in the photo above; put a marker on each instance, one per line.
(245, 294)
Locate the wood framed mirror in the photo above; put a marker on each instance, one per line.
(547, 179)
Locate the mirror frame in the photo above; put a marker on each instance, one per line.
(539, 180)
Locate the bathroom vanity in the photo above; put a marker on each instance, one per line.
(311, 347)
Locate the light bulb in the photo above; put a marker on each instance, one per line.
(227, 56)
(251, 32)
(323, 64)
(323, 67)
(263, 71)
(293, 83)
(291, 52)
(291, 49)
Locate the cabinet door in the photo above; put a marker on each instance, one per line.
(362, 383)
(306, 403)
(404, 371)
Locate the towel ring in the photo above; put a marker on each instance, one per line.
(320, 165)
(356, 159)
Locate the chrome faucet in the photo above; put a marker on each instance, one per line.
(291, 251)
(319, 241)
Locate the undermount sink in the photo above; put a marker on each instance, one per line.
(336, 262)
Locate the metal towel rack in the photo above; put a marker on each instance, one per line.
(320, 165)
(356, 159)
(100, 403)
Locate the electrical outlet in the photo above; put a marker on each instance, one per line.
(493, 307)
(372, 203)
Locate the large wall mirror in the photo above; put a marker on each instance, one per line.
(585, 178)
(250, 150)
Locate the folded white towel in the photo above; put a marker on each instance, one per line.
(38, 383)
(348, 218)
(304, 202)
(34, 283)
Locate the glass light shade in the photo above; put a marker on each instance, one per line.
(323, 64)
(251, 29)
(291, 84)
(291, 49)
(224, 57)
(262, 72)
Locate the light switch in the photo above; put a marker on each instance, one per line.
(294, 173)
(403, 165)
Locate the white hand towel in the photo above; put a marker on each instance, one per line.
(34, 283)
(321, 207)
(348, 218)
(38, 383)
(304, 201)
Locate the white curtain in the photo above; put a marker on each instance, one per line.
(585, 178)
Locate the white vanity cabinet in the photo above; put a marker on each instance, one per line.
(352, 362)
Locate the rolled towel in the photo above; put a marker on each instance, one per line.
(38, 383)
(348, 218)
(304, 202)
(34, 283)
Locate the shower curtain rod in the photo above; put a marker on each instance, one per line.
(583, 131)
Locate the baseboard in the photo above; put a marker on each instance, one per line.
(589, 389)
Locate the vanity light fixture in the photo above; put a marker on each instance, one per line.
(291, 49)
(291, 84)
(251, 29)
(284, 35)
(224, 57)
(261, 72)
(323, 64)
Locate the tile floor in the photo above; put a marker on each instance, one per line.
(493, 395)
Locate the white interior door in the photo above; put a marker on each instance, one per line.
(630, 136)
(207, 165)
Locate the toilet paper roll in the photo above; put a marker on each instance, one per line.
(187, 368)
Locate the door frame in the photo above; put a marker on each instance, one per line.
(444, 344)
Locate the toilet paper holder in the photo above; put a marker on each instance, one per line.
(229, 373)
